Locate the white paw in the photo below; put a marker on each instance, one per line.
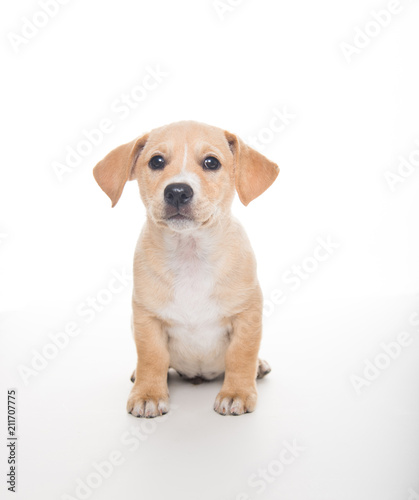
(263, 368)
(235, 403)
(141, 404)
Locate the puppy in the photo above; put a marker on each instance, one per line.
(197, 303)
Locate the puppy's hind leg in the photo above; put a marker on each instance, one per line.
(263, 368)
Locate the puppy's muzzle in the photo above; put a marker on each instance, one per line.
(178, 194)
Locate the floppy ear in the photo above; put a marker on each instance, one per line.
(253, 172)
(117, 167)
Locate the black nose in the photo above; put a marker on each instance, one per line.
(178, 194)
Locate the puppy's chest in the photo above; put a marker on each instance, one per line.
(193, 304)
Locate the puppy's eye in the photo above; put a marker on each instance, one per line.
(156, 163)
(211, 163)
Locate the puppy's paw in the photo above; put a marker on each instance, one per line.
(263, 368)
(148, 404)
(235, 402)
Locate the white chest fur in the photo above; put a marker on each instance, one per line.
(197, 337)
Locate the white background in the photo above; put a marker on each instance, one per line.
(60, 242)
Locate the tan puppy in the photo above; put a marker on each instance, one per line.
(197, 304)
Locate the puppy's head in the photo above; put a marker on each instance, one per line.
(187, 173)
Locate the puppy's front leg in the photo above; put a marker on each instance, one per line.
(238, 394)
(149, 396)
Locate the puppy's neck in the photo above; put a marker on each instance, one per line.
(201, 241)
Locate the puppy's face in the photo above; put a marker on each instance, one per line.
(187, 173)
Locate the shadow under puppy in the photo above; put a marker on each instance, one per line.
(197, 303)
